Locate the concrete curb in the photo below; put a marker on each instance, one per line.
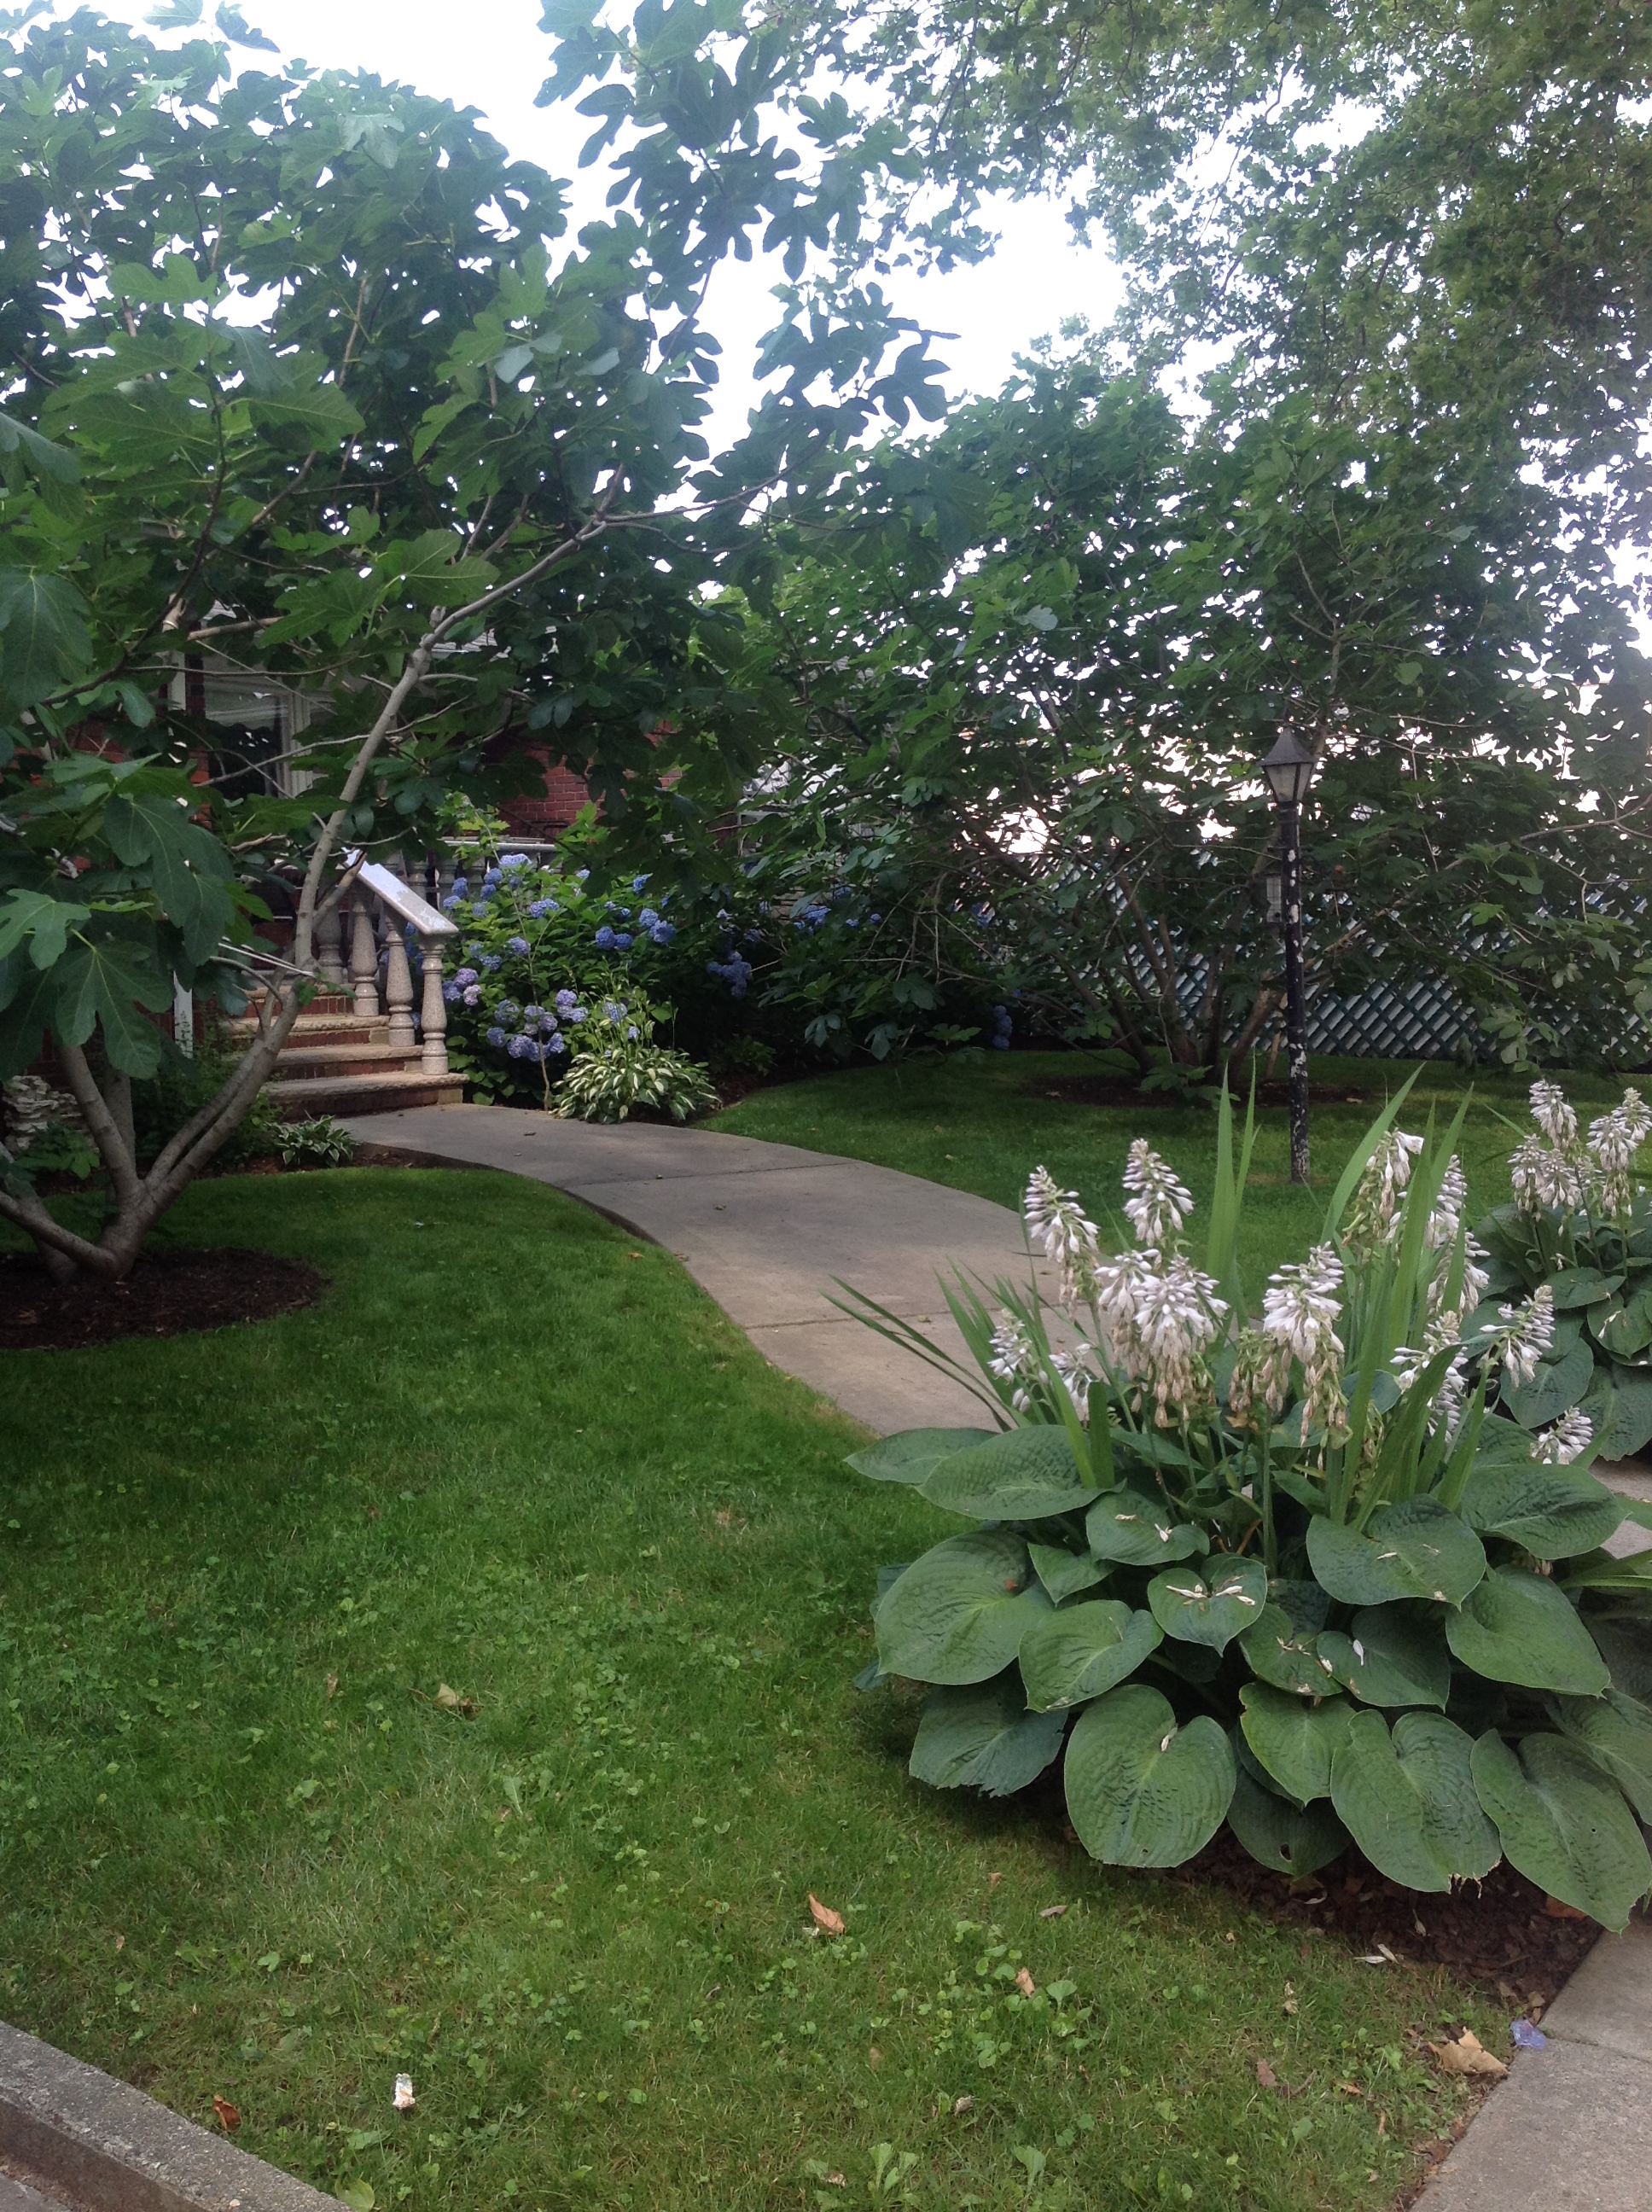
(82, 2139)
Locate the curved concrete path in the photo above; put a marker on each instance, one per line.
(768, 1230)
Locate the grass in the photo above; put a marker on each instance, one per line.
(248, 1851)
(981, 1123)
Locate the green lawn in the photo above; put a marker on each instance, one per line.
(245, 1852)
(981, 1123)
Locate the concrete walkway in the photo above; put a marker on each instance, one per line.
(765, 1228)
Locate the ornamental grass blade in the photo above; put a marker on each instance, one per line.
(897, 1330)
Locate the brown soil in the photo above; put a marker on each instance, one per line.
(1501, 1935)
(167, 1294)
(1102, 1091)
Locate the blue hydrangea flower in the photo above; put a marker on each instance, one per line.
(613, 1010)
(452, 902)
(580, 1014)
(496, 1037)
(566, 1002)
(518, 945)
(624, 941)
(452, 992)
(581, 875)
(507, 1010)
(473, 996)
(632, 1031)
(662, 933)
(461, 885)
(513, 860)
(465, 975)
(523, 1048)
(556, 1044)
(606, 940)
(647, 918)
(541, 907)
(491, 962)
(481, 909)
(637, 881)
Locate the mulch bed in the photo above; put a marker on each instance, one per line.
(1103, 1091)
(1501, 1934)
(167, 1294)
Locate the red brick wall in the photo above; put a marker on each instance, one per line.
(545, 815)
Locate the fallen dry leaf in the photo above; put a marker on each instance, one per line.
(993, 1880)
(1467, 2055)
(1024, 1981)
(874, 2057)
(963, 2104)
(229, 2119)
(1055, 1913)
(332, 1686)
(1350, 2089)
(120, 1942)
(1557, 1910)
(1266, 2077)
(833, 2180)
(828, 1921)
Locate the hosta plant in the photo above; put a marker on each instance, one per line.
(1580, 1227)
(1281, 1566)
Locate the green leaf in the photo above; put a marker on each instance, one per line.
(1518, 1627)
(1408, 1799)
(1140, 1790)
(984, 1737)
(44, 641)
(1414, 1549)
(1083, 1650)
(1293, 1739)
(259, 364)
(1023, 1474)
(1212, 1608)
(1619, 1403)
(908, 1456)
(1624, 1329)
(189, 868)
(1279, 1656)
(1293, 1839)
(1626, 1644)
(358, 2196)
(1138, 1531)
(55, 461)
(1555, 1388)
(1564, 1826)
(44, 920)
(958, 1615)
(101, 985)
(1581, 1287)
(1616, 1731)
(1553, 1512)
(1392, 1655)
(323, 414)
(1063, 1573)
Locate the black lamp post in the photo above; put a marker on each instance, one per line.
(1289, 770)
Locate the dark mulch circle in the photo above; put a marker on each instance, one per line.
(1501, 1934)
(1104, 1091)
(167, 1293)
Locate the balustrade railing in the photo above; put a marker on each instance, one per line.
(361, 952)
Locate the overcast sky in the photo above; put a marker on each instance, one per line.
(492, 56)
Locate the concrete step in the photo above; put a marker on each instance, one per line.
(297, 1099)
(322, 1029)
(333, 1059)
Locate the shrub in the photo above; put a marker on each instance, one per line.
(1581, 1229)
(612, 1079)
(1290, 1571)
(316, 1143)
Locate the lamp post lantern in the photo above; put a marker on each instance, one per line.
(1289, 770)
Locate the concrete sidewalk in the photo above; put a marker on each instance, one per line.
(768, 1230)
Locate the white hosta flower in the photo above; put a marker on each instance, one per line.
(1373, 1215)
(1116, 1287)
(1552, 1114)
(1446, 1218)
(1569, 1439)
(1446, 1321)
(1543, 1176)
(1071, 1368)
(1527, 1332)
(1261, 1373)
(1158, 1203)
(1014, 1360)
(1300, 1311)
(1056, 1224)
(1178, 1317)
(1615, 1138)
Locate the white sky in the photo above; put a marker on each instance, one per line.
(492, 56)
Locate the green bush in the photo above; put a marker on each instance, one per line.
(616, 1076)
(316, 1143)
(1581, 1229)
(1292, 1572)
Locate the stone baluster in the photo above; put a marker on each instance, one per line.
(398, 986)
(434, 1011)
(364, 957)
(330, 949)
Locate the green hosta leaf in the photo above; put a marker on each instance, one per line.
(1554, 1512)
(1553, 1390)
(1391, 1654)
(1518, 1627)
(1616, 1731)
(909, 1456)
(1293, 1739)
(1414, 1549)
(959, 1614)
(1605, 1570)
(1140, 1790)
(1138, 1531)
(1623, 1328)
(1564, 1825)
(1210, 1607)
(1408, 1799)
(1278, 1655)
(1063, 1574)
(1083, 1651)
(1291, 1839)
(1023, 1474)
(984, 1737)
(1626, 1644)
(1619, 1403)
(1581, 1287)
